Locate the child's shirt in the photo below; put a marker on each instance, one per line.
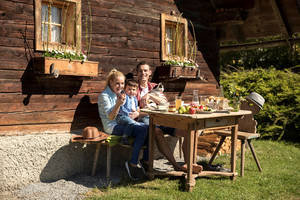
(130, 105)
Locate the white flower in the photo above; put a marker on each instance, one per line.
(84, 57)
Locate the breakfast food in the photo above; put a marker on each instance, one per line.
(172, 108)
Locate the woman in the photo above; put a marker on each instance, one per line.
(145, 86)
(109, 103)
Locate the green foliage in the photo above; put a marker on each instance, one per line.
(72, 55)
(280, 116)
(279, 57)
(182, 63)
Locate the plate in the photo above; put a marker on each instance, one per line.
(222, 111)
(162, 110)
(204, 112)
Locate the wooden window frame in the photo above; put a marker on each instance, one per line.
(40, 45)
(165, 19)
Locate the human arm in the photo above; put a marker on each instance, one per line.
(109, 106)
(158, 99)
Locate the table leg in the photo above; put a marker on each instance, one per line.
(234, 131)
(151, 147)
(195, 146)
(190, 178)
(96, 158)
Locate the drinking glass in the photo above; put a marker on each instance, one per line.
(195, 97)
(178, 102)
(203, 100)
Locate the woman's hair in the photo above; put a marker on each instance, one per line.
(112, 75)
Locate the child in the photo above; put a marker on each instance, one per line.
(130, 106)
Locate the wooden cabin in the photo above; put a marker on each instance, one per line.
(39, 111)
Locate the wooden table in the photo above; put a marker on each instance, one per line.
(193, 123)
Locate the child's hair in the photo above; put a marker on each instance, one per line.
(131, 83)
(112, 75)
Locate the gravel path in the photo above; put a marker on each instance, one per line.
(75, 187)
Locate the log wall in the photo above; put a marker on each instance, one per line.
(124, 33)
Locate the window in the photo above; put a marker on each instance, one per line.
(57, 24)
(174, 37)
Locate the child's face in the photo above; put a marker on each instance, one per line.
(131, 90)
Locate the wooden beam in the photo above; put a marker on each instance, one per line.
(284, 28)
(212, 2)
(273, 43)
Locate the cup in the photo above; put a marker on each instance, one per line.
(178, 102)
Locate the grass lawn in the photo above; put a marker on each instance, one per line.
(280, 179)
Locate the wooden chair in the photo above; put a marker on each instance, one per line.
(246, 132)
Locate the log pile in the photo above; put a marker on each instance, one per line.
(208, 142)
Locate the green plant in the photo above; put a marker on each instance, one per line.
(67, 54)
(279, 57)
(182, 63)
(280, 116)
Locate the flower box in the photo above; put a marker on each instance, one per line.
(56, 67)
(175, 71)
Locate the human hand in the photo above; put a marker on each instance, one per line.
(134, 114)
(144, 100)
(121, 97)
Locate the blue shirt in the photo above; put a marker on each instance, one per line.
(126, 108)
(106, 102)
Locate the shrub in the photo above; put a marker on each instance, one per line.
(279, 118)
(279, 57)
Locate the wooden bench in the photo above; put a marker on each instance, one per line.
(111, 141)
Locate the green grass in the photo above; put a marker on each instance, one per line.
(280, 179)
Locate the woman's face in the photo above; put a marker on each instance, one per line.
(117, 84)
(144, 73)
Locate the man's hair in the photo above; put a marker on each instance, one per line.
(141, 63)
(131, 83)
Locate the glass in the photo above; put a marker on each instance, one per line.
(203, 100)
(55, 15)
(178, 102)
(221, 91)
(195, 97)
(236, 105)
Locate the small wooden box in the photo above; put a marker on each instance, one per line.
(47, 65)
(171, 71)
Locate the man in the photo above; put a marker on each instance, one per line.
(145, 86)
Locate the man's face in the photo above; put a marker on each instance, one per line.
(144, 73)
(131, 90)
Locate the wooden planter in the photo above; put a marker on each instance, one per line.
(56, 67)
(171, 71)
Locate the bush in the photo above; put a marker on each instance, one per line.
(279, 57)
(279, 118)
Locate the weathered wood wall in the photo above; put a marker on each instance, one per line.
(124, 33)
